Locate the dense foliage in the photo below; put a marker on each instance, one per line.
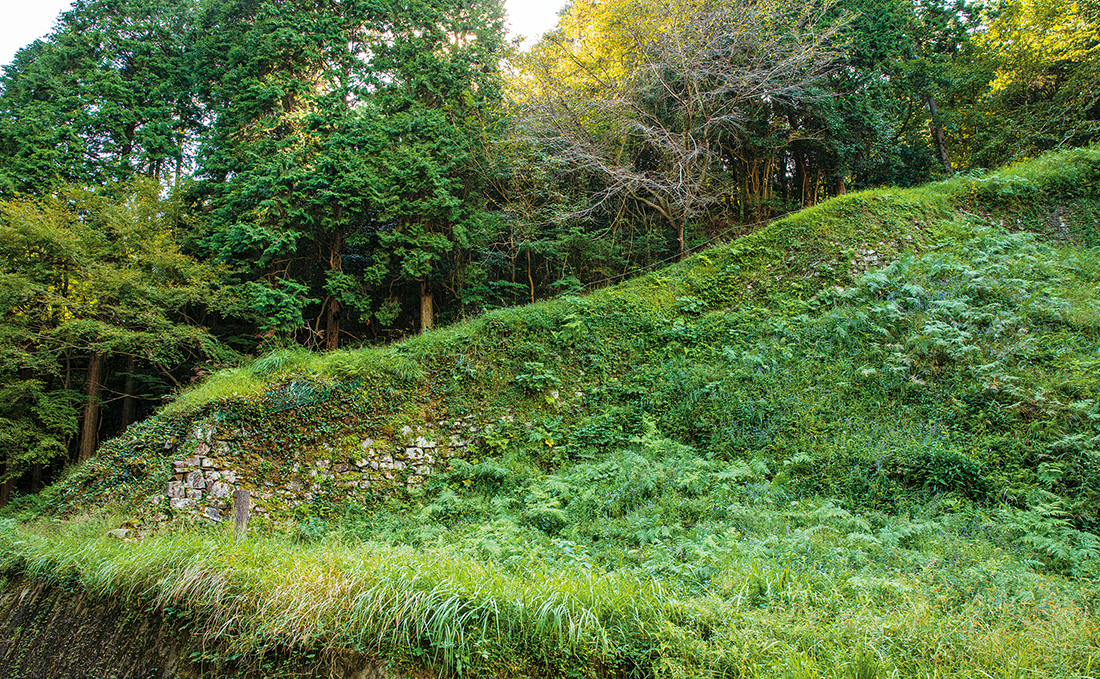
(860, 441)
(89, 279)
(362, 170)
(186, 185)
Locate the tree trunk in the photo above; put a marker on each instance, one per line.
(937, 135)
(128, 145)
(425, 306)
(129, 403)
(5, 490)
(90, 428)
(806, 177)
(333, 306)
(36, 477)
(332, 323)
(809, 189)
(841, 187)
(530, 278)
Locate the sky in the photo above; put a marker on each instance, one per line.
(27, 21)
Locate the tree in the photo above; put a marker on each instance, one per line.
(443, 87)
(1038, 71)
(880, 123)
(673, 116)
(343, 134)
(106, 96)
(288, 168)
(89, 277)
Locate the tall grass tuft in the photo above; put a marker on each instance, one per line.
(457, 613)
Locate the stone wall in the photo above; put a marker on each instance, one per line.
(203, 482)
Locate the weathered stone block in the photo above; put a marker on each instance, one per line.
(181, 503)
(212, 514)
(195, 480)
(175, 489)
(204, 431)
(194, 494)
(229, 476)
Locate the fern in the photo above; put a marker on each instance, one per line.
(1052, 540)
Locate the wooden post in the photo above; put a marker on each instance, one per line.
(242, 505)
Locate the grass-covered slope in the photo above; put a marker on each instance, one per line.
(862, 441)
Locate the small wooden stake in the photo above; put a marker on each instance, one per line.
(242, 505)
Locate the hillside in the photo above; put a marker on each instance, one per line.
(861, 441)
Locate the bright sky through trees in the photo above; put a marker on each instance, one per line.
(25, 23)
(531, 18)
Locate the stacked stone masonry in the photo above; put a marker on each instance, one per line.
(202, 484)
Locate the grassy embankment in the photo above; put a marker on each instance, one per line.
(863, 441)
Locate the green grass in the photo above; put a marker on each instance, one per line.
(863, 441)
(810, 589)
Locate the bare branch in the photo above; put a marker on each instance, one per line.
(694, 89)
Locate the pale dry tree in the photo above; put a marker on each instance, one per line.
(662, 125)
